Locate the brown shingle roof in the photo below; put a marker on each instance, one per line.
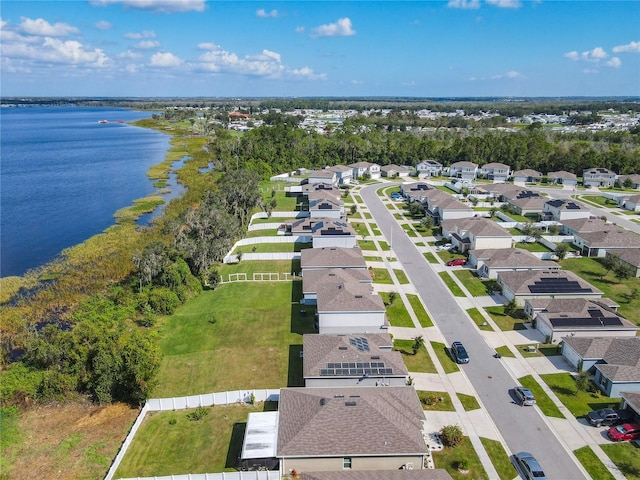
(350, 422)
(562, 174)
(519, 282)
(629, 255)
(321, 227)
(332, 257)
(585, 224)
(478, 226)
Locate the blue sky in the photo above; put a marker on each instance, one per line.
(320, 48)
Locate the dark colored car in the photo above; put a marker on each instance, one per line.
(528, 466)
(524, 395)
(607, 416)
(459, 353)
(624, 432)
(456, 262)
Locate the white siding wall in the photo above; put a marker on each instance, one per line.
(346, 241)
(350, 322)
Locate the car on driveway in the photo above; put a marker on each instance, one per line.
(456, 262)
(524, 396)
(528, 466)
(624, 432)
(459, 353)
(608, 417)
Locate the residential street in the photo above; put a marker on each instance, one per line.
(523, 428)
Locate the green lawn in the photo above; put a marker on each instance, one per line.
(592, 464)
(626, 456)
(506, 322)
(543, 401)
(598, 200)
(401, 276)
(259, 266)
(419, 310)
(169, 443)
(381, 275)
(430, 257)
(420, 362)
(499, 458)
(440, 401)
(579, 403)
(366, 245)
(369, 258)
(448, 459)
(451, 284)
(272, 247)
(532, 247)
(222, 339)
(505, 351)
(397, 313)
(469, 402)
(479, 320)
(591, 270)
(442, 352)
(476, 287)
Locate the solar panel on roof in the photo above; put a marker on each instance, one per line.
(611, 321)
(575, 322)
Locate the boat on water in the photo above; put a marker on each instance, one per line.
(103, 121)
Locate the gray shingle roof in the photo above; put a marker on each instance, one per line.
(321, 227)
(348, 297)
(424, 474)
(332, 257)
(350, 422)
(585, 224)
(633, 399)
(478, 226)
(562, 174)
(611, 237)
(319, 350)
(621, 351)
(519, 282)
(527, 172)
(313, 279)
(510, 257)
(629, 255)
(464, 165)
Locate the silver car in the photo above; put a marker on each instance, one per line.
(528, 466)
(524, 395)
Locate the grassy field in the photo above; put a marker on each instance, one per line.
(506, 322)
(440, 401)
(592, 464)
(222, 340)
(626, 456)
(543, 401)
(579, 403)
(448, 459)
(479, 320)
(419, 310)
(397, 313)
(499, 458)
(381, 275)
(420, 362)
(169, 442)
(451, 284)
(532, 247)
(442, 352)
(401, 276)
(272, 247)
(259, 266)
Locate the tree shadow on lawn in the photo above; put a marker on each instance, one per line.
(295, 375)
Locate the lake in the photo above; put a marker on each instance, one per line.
(64, 174)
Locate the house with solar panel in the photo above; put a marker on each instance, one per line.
(326, 207)
(556, 318)
(429, 168)
(527, 203)
(325, 176)
(560, 210)
(356, 360)
(324, 232)
(614, 361)
(525, 285)
(417, 191)
(562, 177)
(349, 307)
(488, 262)
(467, 171)
(403, 474)
(350, 428)
(598, 177)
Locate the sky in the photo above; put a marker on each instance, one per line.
(211, 48)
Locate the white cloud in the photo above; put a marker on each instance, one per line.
(340, 28)
(130, 55)
(505, 3)
(299, 29)
(594, 55)
(633, 47)
(140, 35)
(43, 28)
(147, 44)
(464, 4)
(511, 75)
(262, 13)
(614, 62)
(165, 59)
(412, 83)
(164, 6)
(590, 71)
(103, 25)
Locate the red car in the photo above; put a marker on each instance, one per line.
(626, 431)
(456, 262)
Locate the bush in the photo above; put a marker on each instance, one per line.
(198, 414)
(163, 301)
(451, 435)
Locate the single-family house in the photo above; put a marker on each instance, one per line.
(391, 171)
(561, 317)
(629, 257)
(598, 177)
(526, 176)
(356, 360)
(317, 190)
(312, 280)
(325, 176)
(358, 428)
(417, 191)
(464, 170)
(331, 257)
(560, 210)
(343, 174)
(475, 233)
(326, 207)
(443, 206)
(401, 474)
(324, 232)
(524, 285)
(429, 168)
(527, 203)
(361, 169)
(488, 262)
(614, 361)
(632, 203)
(632, 180)
(578, 225)
(504, 191)
(349, 307)
(498, 172)
(562, 178)
(597, 244)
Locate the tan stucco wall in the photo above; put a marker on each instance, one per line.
(357, 463)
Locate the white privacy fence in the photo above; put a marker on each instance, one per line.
(263, 256)
(279, 215)
(194, 401)
(264, 226)
(257, 475)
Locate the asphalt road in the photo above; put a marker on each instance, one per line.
(523, 428)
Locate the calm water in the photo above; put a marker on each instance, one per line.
(63, 175)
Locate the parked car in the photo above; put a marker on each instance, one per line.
(607, 416)
(528, 466)
(456, 262)
(459, 353)
(624, 432)
(524, 395)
